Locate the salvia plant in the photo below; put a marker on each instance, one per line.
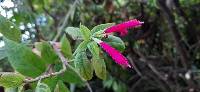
(47, 62)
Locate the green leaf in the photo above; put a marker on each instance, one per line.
(94, 49)
(47, 4)
(41, 87)
(51, 82)
(81, 47)
(97, 62)
(9, 30)
(20, 88)
(48, 54)
(60, 87)
(99, 68)
(74, 32)
(101, 27)
(83, 66)
(23, 59)
(115, 42)
(2, 53)
(85, 32)
(108, 83)
(66, 47)
(29, 90)
(38, 45)
(115, 86)
(8, 80)
(14, 89)
(69, 75)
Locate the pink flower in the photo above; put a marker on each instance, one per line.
(115, 54)
(122, 27)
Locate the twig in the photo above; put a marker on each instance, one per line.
(59, 33)
(134, 66)
(64, 62)
(175, 33)
(191, 32)
(143, 58)
(46, 75)
(50, 74)
(135, 84)
(153, 69)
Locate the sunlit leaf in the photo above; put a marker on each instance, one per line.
(85, 32)
(23, 59)
(9, 30)
(101, 27)
(61, 87)
(83, 65)
(97, 62)
(74, 32)
(115, 42)
(2, 53)
(41, 87)
(68, 76)
(51, 82)
(66, 48)
(48, 54)
(81, 47)
(11, 79)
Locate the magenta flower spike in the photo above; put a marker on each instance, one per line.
(122, 27)
(115, 54)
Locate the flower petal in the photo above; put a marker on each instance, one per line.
(115, 54)
(122, 27)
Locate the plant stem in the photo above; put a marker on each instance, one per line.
(64, 63)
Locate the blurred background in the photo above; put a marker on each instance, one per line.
(165, 50)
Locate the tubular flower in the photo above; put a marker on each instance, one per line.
(122, 27)
(115, 54)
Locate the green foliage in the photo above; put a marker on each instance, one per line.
(83, 65)
(66, 48)
(51, 82)
(2, 53)
(97, 62)
(9, 30)
(85, 32)
(69, 75)
(42, 20)
(41, 87)
(74, 32)
(94, 49)
(81, 47)
(117, 86)
(60, 87)
(108, 83)
(99, 67)
(48, 53)
(38, 45)
(9, 80)
(20, 88)
(14, 89)
(189, 2)
(23, 59)
(101, 27)
(115, 42)
(152, 3)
